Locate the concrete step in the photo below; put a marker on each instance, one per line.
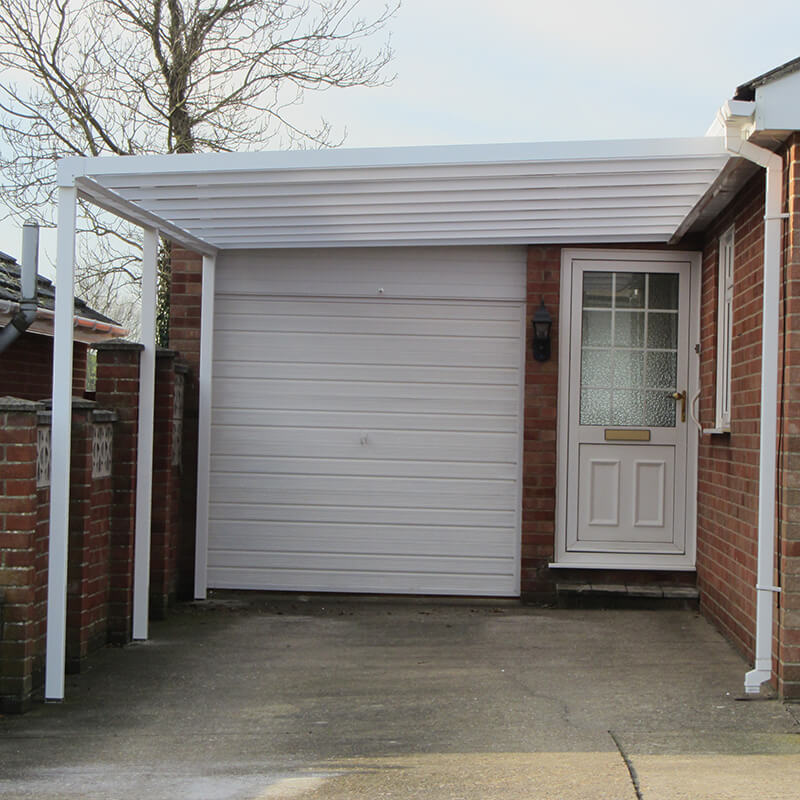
(572, 594)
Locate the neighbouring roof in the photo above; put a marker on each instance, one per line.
(556, 192)
(90, 324)
(747, 91)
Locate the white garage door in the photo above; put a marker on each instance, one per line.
(366, 428)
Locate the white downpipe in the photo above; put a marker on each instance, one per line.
(204, 380)
(61, 433)
(144, 445)
(768, 456)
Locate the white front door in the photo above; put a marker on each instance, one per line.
(625, 460)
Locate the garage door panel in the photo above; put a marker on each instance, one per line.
(309, 348)
(300, 580)
(396, 499)
(446, 375)
(362, 562)
(369, 326)
(327, 537)
(369, 398)
(284, 465)
(229, 308)
(227, 512)
(414, 445)
(367, 420)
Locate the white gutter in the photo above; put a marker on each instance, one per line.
(768, 458)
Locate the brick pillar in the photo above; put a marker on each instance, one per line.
(80, 509)
(21, 629)
(166, 484)
(788, 617)
(118, 388)
(539, 454)
(184, 337)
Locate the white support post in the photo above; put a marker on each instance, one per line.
(204, 427)
(144, 445)
(61, 434)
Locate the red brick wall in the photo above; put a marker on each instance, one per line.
(539, 448)
(788, 628)
(118, 388)
(728, 464)
(166, 491)
(22, 631)
(728, 467)
(184, 336)
(26, 368)
(91, 500)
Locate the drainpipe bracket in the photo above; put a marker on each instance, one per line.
(761, 588)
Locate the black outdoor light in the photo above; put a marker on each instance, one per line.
(542, 322)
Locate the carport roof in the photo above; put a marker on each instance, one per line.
(557, 192)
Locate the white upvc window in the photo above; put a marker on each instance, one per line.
(724, 330)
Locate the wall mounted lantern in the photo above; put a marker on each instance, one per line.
(542, 322)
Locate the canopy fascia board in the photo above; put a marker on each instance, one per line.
(375, 157)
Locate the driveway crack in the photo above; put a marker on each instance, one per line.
(629, 764)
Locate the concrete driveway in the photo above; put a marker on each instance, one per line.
(327, 698)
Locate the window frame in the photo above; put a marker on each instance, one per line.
(725, 281)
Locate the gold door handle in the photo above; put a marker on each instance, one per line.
(682, 397)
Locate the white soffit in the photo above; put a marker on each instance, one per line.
(562, 192)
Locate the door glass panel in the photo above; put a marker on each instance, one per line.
(597, 328)
(629, 328)
(663, 291)
(627, 408)
(598, 289)
(629, 290)
(662, 331)
(629, 348)
(595, 406)
(659, 410)
(628, 367)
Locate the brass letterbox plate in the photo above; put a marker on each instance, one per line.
(627, 435)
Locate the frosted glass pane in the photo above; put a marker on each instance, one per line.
(659, 410)
(597, 289)
(662, 370)
(662, 331)
(595, 407)
(663, 291)
(629, 328)
(597, 328)
(596, 368)
(629, 290)
(628, 368)
(627, 408)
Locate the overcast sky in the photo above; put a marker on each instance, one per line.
(472, 71)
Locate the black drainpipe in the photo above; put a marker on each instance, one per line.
(28, 277)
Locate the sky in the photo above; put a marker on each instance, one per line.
(470, 71)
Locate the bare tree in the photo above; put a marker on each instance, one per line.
(129, 77)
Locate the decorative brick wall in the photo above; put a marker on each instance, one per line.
(26, 368)
(184, 337)
(118, 388)
(21, 575)
(165, 526)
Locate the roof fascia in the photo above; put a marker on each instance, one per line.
(376, 157)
